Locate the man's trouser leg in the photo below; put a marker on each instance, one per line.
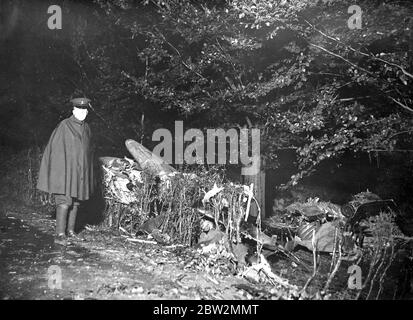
(71, 223)
(61, 217)
(63, 203)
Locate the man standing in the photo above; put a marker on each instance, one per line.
(66, 169)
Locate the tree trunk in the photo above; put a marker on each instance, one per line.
(259, 191)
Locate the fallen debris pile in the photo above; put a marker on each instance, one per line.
(121, 177)
(149, 198)
(323, 224)
(135, 204)
(170, 202)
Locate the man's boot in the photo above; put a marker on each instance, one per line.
(71, 225)
(61, 217)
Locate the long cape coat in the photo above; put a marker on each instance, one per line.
(67, 162)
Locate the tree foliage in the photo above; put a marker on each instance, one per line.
(292, 68)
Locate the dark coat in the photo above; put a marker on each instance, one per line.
(67, 163)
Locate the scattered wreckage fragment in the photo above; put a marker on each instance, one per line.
(318, 225)
(121, 177)
(220, 218)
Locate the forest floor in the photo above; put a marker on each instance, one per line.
(107, 266)
(104, 267)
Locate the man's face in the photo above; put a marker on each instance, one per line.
(79, 113)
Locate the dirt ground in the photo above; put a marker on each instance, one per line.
(107, 266)
(104, 267)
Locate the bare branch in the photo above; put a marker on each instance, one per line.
(180, 56)
(341, 57)
(405, 72)
(354, 98)
(401, 104)
(395, 150)
(399, 133)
